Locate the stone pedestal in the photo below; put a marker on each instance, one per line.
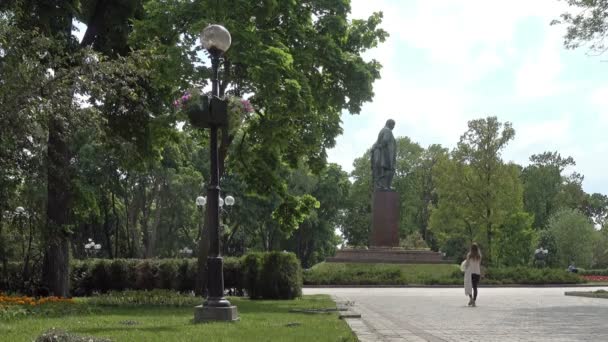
(204, 313)
(385, 219)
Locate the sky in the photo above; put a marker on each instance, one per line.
(450, 61)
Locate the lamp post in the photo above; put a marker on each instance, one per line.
(216, 40)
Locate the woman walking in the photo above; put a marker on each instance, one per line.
(472, 273)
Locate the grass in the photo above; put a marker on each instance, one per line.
(591, 294)
(259, 321)
(382, 274)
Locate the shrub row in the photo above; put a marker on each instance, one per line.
(600, 272)
(377, 274)
(381, 274)
(103, 275)
(528, 275)
(273, 275)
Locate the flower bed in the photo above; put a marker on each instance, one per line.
(592, 278)
(14, 307)
(31, 301)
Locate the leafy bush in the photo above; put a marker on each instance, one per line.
(100, 275)
(429, 274)
(186, 274)
(382, 274)
(281, 276)
(233, 280)
(167, 274)
(119, 274)
(251, 266)
(527, 275)
(146, 275)
(103, 275)
(80, 278)
(602, 272)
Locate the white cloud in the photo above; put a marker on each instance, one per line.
(538, 76)
(533, 137)
(599, 99)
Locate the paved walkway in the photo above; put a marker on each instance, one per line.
(502, 314)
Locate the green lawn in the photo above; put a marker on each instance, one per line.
(331, 273)
(259, 321)
(590, 294)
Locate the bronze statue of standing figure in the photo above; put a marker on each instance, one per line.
(383, 158)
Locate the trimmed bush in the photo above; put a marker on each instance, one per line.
(600, 272)
(413, 274)
(119, 274)
(233, 280)
(167, 274)
(527, 275)
(146, 275)
(281, 276)
(100, 275)
(186, 275)
(251, 267)
(281, 272)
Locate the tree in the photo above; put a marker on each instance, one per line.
(515, 240)
(477, 191)
(543, 182)
(316, 238)
(589, 25)
(357, 220)
(596, 208)
(574, 237)
(600, 249)
(117, 89)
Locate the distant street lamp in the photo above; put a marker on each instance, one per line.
(216, 40)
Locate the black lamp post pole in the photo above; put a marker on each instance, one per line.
(215, 296)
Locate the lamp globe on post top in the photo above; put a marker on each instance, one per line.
(216, 39)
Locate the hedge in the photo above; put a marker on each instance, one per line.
(529, 275)
(103, 275)
(273, 275)
(428, 274)
(599, 272)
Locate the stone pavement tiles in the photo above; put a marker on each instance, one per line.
(502, 314)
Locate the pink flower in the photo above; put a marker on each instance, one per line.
(247, 107)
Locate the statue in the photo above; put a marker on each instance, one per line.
(383, 157)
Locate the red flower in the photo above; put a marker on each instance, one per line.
(595, 278)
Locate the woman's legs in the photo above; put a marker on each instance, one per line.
(475, 281)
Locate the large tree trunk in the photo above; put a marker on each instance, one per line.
(56, 266)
